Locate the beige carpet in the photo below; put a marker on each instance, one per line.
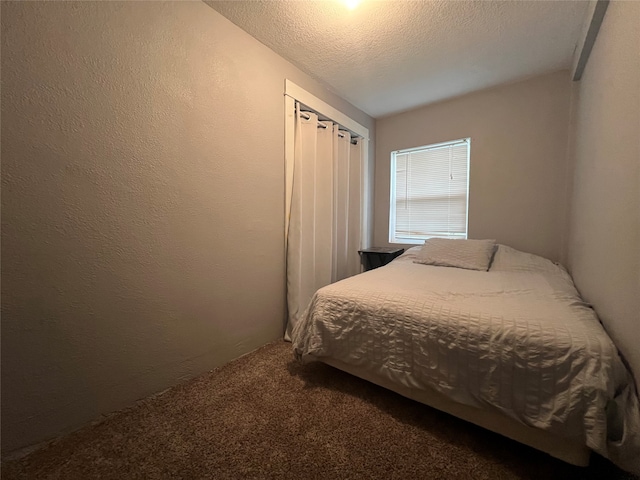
(266, 416)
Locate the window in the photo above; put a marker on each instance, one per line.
(429, 192)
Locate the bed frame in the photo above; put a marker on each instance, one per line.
(562, 448)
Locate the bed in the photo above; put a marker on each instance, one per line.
(513, 349)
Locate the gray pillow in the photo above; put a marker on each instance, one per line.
(447, 252)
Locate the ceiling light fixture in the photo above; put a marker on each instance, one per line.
(352, 4)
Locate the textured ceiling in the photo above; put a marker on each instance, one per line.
(392, 55)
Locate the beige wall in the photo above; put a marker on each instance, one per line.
(142, 203)
(518, 159)
(604, 235)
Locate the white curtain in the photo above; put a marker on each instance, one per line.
(325, 204)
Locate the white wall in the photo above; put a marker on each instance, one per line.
(518, 159)
(604, 223)
(142, 203)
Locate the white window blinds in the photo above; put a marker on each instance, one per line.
(429, 192)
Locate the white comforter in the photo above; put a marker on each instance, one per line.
(517, 338)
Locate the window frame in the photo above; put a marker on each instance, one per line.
(393, 239)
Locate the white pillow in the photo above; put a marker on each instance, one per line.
(447, 252)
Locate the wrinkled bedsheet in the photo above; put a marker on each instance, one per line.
(517, 338)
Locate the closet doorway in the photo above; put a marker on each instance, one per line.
(327, 185)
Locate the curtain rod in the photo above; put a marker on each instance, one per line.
(306, 116)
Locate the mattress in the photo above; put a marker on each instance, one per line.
(517, 339)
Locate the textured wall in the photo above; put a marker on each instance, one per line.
(142, 203)
(604, 236)
(518, 159)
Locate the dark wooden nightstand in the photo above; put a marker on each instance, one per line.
(375, 257)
